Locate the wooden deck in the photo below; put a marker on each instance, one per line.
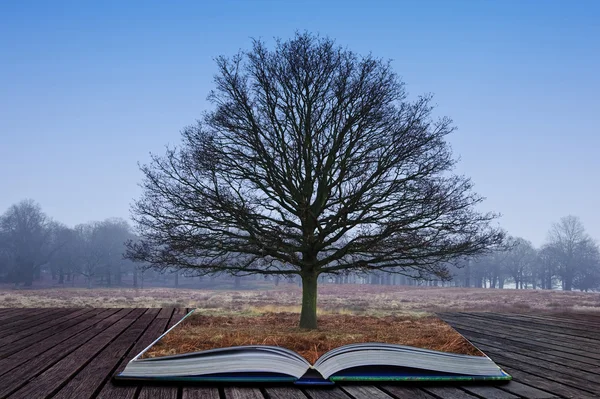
(72, 353)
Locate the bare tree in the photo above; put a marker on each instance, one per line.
(6, 260)
(546, 266)
(111, 235)
(312, 161)
(64, 259)
(587, 276)
(101, 249)
(26, 237)
(519, 260)
(491, 268)
(569, 243)
(90, 254)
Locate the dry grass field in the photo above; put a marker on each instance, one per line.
(333, 299)
(200, 332)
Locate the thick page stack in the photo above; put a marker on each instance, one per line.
(196, 350)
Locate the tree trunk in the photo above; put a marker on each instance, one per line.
(308, 315)
(28, 274)
(135, 277)
(374, 279)
(118, 275)
(568, 283)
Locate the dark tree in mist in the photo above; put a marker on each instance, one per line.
(101, 246)
(63, 262)
(588, 273)
(519, 260)
(548, 264)
(25, 234)
(575, 254)
(110, 237)
(312, 161)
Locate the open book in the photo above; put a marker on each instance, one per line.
(367, 361)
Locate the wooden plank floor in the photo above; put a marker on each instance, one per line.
(72, 353)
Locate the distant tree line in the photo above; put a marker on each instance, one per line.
(32, 243)
(34, 246)
(569, 259)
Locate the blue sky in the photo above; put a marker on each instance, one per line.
(88, 89)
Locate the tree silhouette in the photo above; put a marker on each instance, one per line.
(312, 161)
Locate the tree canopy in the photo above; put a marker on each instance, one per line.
(312, 160)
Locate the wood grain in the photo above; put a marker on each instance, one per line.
(73, 353)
